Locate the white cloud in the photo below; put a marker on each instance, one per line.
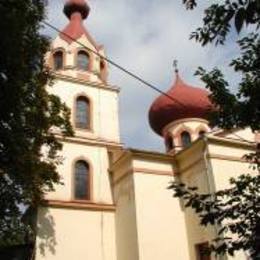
(145, 37)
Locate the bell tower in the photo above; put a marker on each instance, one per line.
(83, 207)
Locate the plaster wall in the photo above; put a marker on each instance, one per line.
(193, 172)
(68, 234)
(125, 219)
(70, 53)
(245, 134)
(103, 108)
(226, 166)
(160, 219)
(192, 125)
(97, 158)
(153, 164)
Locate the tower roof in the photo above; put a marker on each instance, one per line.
(188, 102)
(76, 11)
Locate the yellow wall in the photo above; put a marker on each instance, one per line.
(209, 166)
(160, 219)
(192, 170)
(150, 223)
(126, 231)
(104, 106)
(68, 234)
(97, 157)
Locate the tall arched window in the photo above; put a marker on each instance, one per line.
(82, 113)
(185, 139)
(169, 143)
(83, 60)
(82, 181)
(58, 60)
(202, 133)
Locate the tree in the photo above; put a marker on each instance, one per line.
(28, 146)
(237, 209)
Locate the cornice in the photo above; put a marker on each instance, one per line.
(232, 142)
(86, 82)
(88, 141)
(81, 205)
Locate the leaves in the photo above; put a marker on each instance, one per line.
(27, 114)
(236, 210)
(218, 20)
(239, 19)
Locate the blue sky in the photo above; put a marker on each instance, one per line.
(145, 36)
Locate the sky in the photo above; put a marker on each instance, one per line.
(145, 36)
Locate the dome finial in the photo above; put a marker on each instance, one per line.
(175, 65)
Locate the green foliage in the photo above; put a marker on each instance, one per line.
(27, 115)
(242, 109)
(234, 211)
(220, 17)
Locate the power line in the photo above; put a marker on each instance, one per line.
(146, 83)
(116, 65)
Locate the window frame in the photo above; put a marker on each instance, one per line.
(77, 61)
(181, 139)
(89, 181)
(89, 112)
(53, 59)
(169, 143)
(199, 254)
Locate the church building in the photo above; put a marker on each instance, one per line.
(114, 203)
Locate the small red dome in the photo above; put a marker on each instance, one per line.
(189, 102)
(76, 6)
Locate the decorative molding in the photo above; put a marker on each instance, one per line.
(149, 155)
(181, 121)
(81, 205)
(153, 172)
(227, 158)
(232, 142)
(88, 141)
(144, 171)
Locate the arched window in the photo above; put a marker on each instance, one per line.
(58, 60)
(83, 60)
(185, 139)
(82, 181)
(102, 66)
(169, 143)
(82, 113)
(202, 133)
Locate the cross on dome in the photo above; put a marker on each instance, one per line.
(175, 65)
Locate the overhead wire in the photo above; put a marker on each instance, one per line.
(138, 78)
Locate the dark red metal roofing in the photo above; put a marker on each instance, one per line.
(189, 102)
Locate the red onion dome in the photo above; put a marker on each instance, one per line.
(76, 6)
(186, 102)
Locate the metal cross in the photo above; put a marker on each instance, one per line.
(175, 65)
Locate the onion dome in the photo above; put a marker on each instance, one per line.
(185, 102)
(76, 11)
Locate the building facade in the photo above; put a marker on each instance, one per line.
(114, 203)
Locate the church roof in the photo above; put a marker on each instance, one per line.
(76, 11)
(187, 102)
